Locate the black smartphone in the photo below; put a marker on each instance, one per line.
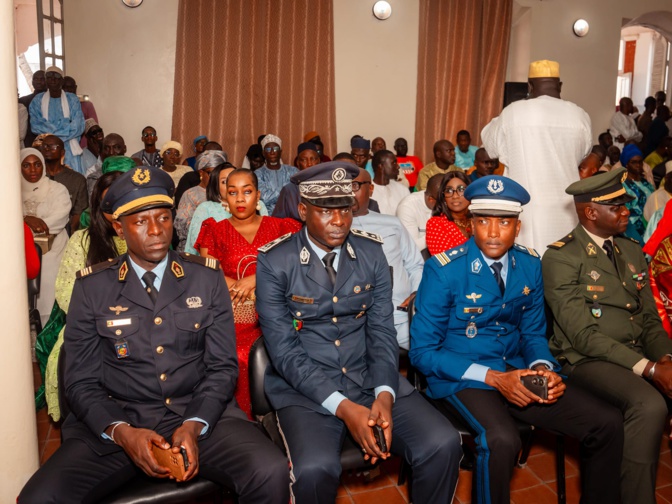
(402, 308)
(183, 450)
(536, 384)
(379, 434)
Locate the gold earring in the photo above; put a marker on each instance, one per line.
(258, 206)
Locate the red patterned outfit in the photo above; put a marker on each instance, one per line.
(238, 259)
(443, 234)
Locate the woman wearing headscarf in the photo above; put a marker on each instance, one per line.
(206, 162)
(171, 152)
(635, 185)
(86, 247)
(659, 247)
(46, 211)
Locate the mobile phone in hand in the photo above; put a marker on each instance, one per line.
(536, 384)
(379, 434)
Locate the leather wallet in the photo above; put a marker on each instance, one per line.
(173, 461)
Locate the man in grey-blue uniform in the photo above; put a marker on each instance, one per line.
(151, 362)
(480, 327)
(401, 252)
(324, 299)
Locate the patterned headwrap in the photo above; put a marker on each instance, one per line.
(171, 144)
(210, 159)
(271, 139)
(118, 163)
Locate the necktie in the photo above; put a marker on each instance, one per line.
(609, 249)
(329, 266)
(149, 278)
(497, 271)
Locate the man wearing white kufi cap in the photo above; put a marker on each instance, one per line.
(274, 175)
(541, 141)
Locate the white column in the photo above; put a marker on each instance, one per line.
(19, 459)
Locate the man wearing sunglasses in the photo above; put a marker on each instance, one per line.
(149, 156)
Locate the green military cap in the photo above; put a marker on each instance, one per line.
(603, 188)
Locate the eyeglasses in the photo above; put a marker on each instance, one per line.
(272, 149)
(172, 152)
(47, 146)
(53, 75)
(452, 190)
(356, 186)
(94, 132)
(145, 135)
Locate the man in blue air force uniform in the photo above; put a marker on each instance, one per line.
(324, 298)
(480, 327)
(150, 357)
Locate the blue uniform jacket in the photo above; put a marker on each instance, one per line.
(459, 289)
(322, 338)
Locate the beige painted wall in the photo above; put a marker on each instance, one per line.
(588, 65)
(125, 60)
(376, 71)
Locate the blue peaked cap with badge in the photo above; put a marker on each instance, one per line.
(496, 195)
(327, 185)
(140, 189)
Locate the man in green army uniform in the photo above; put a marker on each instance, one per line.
(607, 334)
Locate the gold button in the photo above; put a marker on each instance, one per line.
(594, 296)
(623, 284)
(298, 313)
(632, 318)
(344, 370)
(197, 325)
(337, 342)
(628, 305)
(168, 400)
(159, 349)
(163, 377)
(363, 307)
(335, 299)
(118, 332)
(334, 320)
(158, 320)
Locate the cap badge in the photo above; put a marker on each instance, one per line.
(140, 177)
(495, 186)
(473, 296)
(338, 175)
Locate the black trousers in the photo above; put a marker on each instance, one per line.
(428, 442)
(578, 414)
(236, 455)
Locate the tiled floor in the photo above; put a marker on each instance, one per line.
(534, 483)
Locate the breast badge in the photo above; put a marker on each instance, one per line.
(526, 290)
(473, 296)
(596, 310)
(594, 275)
(121, 348)
(194, 302)
(472, 330)
(118, 309)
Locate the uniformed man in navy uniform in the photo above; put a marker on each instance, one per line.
(480, 327)
(151, 360)
(324, 299)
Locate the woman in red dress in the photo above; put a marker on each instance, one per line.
(234, 243)
(659, 247)
(450, 224)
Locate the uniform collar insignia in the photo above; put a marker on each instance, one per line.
(476, 266)
(351, 251)
(118, 309)
(590, 248)
(304, 256)
(513, 262)
(473, 296)
(177, 269)
(123, 271)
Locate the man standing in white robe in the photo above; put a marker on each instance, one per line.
(541, 141)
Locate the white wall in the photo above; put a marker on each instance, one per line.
(588, 65)
(124, 59)
(376, 71)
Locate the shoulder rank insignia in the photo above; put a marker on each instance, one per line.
(366, 234)
(442, 258)
(562, 242)
(97, 267)
(527, 250)
(273, 243)
(628, 238)
(177, 269)
(208, 262)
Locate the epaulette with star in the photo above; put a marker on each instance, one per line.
(561, 242)
(89, 270)
(273, 243)
(365, 234)
(527, 250)
(208, 262)
(446, 257)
